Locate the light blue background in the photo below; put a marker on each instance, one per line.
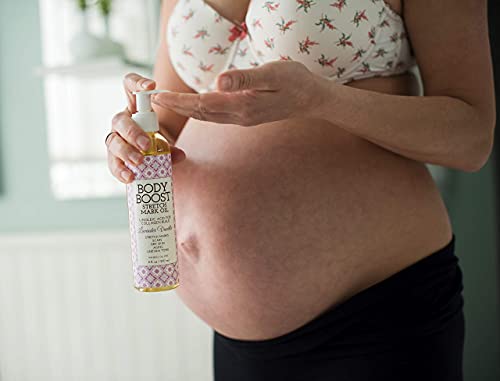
(26, 203)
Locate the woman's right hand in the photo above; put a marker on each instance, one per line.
(127, 138)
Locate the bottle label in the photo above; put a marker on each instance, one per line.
(152, 222)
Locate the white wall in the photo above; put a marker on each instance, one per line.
(68, 312)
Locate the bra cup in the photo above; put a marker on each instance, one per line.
(328, 41)
(359, 40)
(198, 43)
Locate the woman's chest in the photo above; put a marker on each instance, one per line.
(338, 39)
(237, 10)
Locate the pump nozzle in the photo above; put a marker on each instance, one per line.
(145, 117)
(143, 99)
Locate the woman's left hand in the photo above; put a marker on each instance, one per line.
(274, 91)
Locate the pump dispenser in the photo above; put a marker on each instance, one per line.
(151, 207)
(145, 117)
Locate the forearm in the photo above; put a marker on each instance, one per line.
(434, 129)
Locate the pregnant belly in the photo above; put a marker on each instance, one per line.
(279, 222)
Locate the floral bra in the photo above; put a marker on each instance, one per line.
(342, 40)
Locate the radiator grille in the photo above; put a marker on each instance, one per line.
(64, 318)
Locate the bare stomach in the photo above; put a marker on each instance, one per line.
(279, 222)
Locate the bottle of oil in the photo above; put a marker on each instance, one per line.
(151, 208)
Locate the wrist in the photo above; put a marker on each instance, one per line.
(323, 99)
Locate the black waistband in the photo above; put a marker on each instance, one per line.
(417, 301)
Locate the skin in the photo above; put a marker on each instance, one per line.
(283, 212)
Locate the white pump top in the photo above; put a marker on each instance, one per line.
(145, 117)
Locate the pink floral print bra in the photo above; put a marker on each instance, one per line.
(342, 40)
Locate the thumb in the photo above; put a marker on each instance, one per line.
(134, 82)
(260, 78)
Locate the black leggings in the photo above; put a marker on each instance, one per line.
(408, 327)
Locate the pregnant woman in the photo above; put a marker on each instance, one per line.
(311, 236)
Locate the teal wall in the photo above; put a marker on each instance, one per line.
(470, 198)
(26, 203)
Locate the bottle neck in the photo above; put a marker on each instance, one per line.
(159, 145)
(148, 121)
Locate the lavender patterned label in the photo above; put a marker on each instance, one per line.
(152, 223)
(154, 216)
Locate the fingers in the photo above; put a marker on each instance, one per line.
(130, 131)
(118, 147)
(127, 139)
(243, 108)
(260, 78)
(214, 107)
(118, 153)
(118, 169)
(180, 100)
(134, 82)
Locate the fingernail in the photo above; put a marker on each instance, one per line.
(226, 83)
(146, 84)
(143, 142)
(126, 175)
(135, 157)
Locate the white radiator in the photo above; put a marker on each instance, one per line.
(69, 312)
